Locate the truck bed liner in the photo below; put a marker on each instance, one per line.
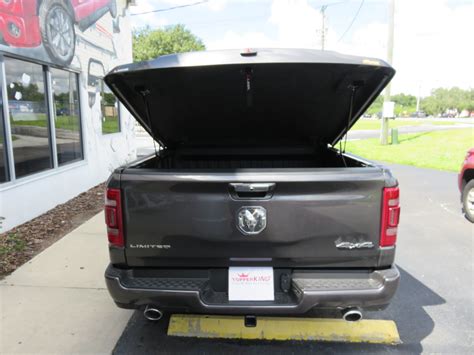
(255, 160)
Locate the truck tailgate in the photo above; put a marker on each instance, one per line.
(314, 218)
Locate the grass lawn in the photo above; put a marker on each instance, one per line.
(63, 122)
(110, 125)
(443, 150)
(376, 124)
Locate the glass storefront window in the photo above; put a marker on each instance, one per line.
(27, 101)
(110, 110)
(66, 116)
(3, 152)
(27, 105)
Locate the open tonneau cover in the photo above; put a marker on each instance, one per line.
(262, 97)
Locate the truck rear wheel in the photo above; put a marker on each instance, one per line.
(57, 31)
(468, 201)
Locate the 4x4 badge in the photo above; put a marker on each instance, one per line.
(251, 220)
(354, 244)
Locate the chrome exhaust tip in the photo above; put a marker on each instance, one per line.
(152, 314)
(352, 315)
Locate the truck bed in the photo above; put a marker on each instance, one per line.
(180, 210)
(269, 158)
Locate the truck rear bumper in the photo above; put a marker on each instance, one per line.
(309, 289)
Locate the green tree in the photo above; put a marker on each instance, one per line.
(30, 92)
(376, 106)
(470, 101)
(404, 104)
(442, 99)
(149, 44)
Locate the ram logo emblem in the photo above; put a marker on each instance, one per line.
(252, 220)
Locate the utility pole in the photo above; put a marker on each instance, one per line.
(418, 98)
(323, 29)
(391, 20)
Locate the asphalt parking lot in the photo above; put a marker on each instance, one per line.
(433, 307)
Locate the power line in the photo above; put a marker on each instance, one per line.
(170, 8)
(223, 21)
(353, 20)
(232, 19)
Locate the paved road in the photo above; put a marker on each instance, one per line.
(364, 134)
(433, 307)
(145, 143)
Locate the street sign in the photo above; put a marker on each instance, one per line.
(389, 109)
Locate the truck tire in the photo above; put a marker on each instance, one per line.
(57, 31)
(468, 201)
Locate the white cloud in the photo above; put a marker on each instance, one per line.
(217, 5)
(158, 19)
(233, 40)
(370, 40)
(297, 23)
(432, 42)
(153, 20)
(433, 46)
(214, 5)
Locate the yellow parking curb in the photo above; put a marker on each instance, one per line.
(279, 328)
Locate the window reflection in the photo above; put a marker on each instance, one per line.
(110, 110)
(28, 112)
(66, 116)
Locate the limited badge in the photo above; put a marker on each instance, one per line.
(252, 219)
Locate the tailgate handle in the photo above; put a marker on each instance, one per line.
(252, 190)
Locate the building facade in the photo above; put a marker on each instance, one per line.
(61, 129)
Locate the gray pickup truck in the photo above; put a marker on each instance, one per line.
(248, 207)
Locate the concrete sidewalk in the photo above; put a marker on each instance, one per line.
(58, 303)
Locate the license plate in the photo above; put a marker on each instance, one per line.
(251, 284)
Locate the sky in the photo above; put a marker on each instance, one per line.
(433, 39)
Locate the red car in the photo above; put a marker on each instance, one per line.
(466, 185)
(28, 23)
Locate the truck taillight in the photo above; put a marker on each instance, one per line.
(113, 217)
(390, 216)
